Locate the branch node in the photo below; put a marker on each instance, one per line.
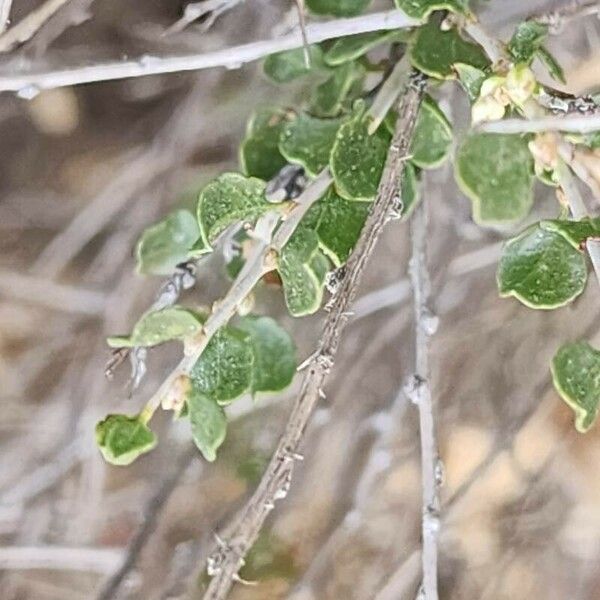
(415, 388)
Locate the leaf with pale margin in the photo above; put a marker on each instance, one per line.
(496, 172)
(526, 41)
(551, 64)
(259, 151)
(332, 96)
(576, 376)
(283, 67)
(208, 421)
(159, 326)
(436, 52)
(308, 141)
(166, 244)
(575, 232)
(471, 78)
(302, 288)
(229, 199)
(432, 141)
(274, 353)
(351, 47)
(542, 269)
(224, 370)
(337, 8)
(338, 224)
(123, 438)
(419, 9)
(358, 159)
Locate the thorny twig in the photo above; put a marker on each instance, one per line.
(418, 390)
(29, 83)
(228, 558)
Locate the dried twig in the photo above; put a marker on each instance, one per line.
(196, 10)
(560, 17)
(24, 30)
(28, 83)
(418, 390)
(228, 557)
(5, 6)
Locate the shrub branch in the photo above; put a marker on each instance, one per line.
(226, 560)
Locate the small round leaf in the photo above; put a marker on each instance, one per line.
(122, 439)
(576, 376)
(166, 244)
(308, 141)
(208, 421)
(224, 370)
(496, 172)
(541, 269)
(274, 353)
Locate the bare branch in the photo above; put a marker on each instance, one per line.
(24, 30)
(418, 390)
(5, 6)
(569, 123)
(228, 557)
(57, 296)
(230, 58)
(196, 10)
(575, 202)
(62, 558)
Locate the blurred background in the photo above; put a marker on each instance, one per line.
(83, 171)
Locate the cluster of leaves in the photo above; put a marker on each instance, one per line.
(543, 267)
(255, 356)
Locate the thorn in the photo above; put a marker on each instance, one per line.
(243, 581)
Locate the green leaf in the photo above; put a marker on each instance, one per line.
(542, 269)
(410, 190)
(122, 439)
(227, 200)
(553, 66)
(471, 79)
(338, 224)
(432, 139)
(331, 96)
(224, 370)
(159, 326)
(576, 376)
(526, 41)
(302, 288)
(274, 353)
(286, 66)
(436, 52)
(575, 232)
(419, 9)
(357, 158)
(209, 423)
(259, 152)
(337, 8)
(166, 244)
(308, 141)
(351, 47)
(495, 172)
